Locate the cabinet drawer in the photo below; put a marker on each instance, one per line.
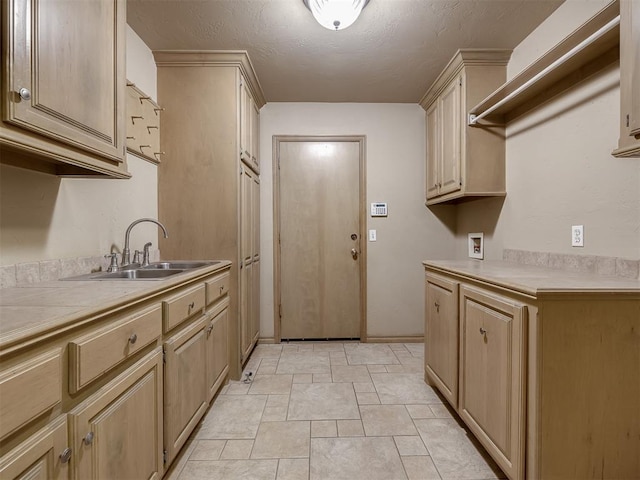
(18, 386)
(183, 305)
(217, 287)
(93, 354)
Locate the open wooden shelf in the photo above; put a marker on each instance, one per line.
(586, 61)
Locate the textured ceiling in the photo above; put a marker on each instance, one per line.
(393, 52)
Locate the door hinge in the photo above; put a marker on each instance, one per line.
(164, 456)
(280, 310)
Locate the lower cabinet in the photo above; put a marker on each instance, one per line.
(492, 375)
(441, 336)
(184, 371)
(217, 348)
(117, 432)
(44, 456)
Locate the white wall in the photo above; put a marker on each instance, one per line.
(560, 171)
(395, 153)
(45, 217)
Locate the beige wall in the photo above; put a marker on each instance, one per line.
(395, 149)
(559, 168)
(45, 217)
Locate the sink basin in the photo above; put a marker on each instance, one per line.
(153, 271)
(180, 265)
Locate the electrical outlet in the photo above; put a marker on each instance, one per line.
(577, 236)
(372, 236)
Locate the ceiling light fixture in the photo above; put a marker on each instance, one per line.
(336, 14)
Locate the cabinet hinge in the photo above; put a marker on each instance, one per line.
(460, 81)
(164, 456)
(164, 356)
(280, 310)
(627, 120)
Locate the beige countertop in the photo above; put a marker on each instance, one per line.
(534, 281)
(40, 308)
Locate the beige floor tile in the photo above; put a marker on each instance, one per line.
(313, 362)
(275, 414)
(282, 440)
(410, 445)
(323, 401)
(328, 347)
(420, 468)
(290, 348)
(266, 350)
(441, 411)
(350, 428)
(278, 401)
(416, 349)
(236, 450)
(364, 387)
(454, 453)
(420, 411)
(324, 428)
(355, 458)
(267, 369)
(403, 388)
(207, 449)
(293, 469)
(303, 378)
(181, 460)
(350, 373)
(339, 360)
(321, 378)
(238, 388)
(383, 420)
(233, 417)
(271, 384)
(377, 368)
(365, 398)
(370, 354)
(230, 470)
(398, 347)
(395, 369)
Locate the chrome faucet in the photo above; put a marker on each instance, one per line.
(126, 253)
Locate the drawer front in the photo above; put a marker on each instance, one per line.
(217, 287)
(29, 389)
(92, 355)
(183, 305)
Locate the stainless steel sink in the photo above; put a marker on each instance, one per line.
(153, 271)
(181, 265)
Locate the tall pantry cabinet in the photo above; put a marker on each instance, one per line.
(208, 181)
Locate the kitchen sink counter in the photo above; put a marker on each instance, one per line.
(38, 309)
(534, 281)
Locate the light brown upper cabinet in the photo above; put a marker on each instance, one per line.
(463, 161)
(629, 143)
(249, 120)
(64, 84)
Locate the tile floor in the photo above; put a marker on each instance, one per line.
(332, 411)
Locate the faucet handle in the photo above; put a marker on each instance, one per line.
(145, 254)
(113, 267)
(136, 256)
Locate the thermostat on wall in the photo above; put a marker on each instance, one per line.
(378, 209)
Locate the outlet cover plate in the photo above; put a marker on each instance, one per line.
(577, 236)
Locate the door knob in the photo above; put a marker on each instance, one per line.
(354, 236)
(354, 253)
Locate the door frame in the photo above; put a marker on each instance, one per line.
(362, 214)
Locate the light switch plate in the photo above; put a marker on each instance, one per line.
(372, 235)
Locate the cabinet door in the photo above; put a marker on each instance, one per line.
(255, 299)
(492, 375)
(451, 136)
(117, 432)
(246, 208)
(255, 218)
(441, 336)
(433, 150)
(245, 122)
(246, 308)
(630, 16)
(43, 456)
(66, 72)
(255, 137)
(185, 396)
(217, 334)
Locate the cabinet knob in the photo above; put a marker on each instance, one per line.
(65, 456)
(88, 438)
(221, 289)
(437, 305)
(191, 305)
(209, 329)
(133, 338)
(482, 331)
(25, 93)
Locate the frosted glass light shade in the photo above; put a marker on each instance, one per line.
(336, 14)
